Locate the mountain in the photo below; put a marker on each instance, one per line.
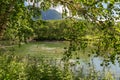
(51, 14)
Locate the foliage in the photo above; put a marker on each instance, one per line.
(8, 8)
(15, 18)
(93, 12)
(27, 68)
(52, 30)
(89, 10)
(14, 67)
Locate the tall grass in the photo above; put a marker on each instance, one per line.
(13, 67)
(26, 67)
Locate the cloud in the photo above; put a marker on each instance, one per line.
(57, 8)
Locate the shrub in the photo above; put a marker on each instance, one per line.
(57, 30)
(14, 67)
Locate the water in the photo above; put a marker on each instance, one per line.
(113, 69)
(85, 67)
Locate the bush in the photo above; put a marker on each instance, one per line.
(14, 67)
(56, 30)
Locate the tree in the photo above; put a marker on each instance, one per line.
(7, 8)
(92, 12)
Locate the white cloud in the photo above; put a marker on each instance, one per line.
(57, 8)
(28, 3)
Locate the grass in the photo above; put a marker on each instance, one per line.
(53, 49)
(47, 49)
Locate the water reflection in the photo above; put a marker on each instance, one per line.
(94, 65)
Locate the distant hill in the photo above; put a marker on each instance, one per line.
(51, 14)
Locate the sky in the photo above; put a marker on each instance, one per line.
(57, 8)
(60, 7)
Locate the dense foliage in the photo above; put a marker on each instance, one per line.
(16, 24)
(52, 30)
(14, 67)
